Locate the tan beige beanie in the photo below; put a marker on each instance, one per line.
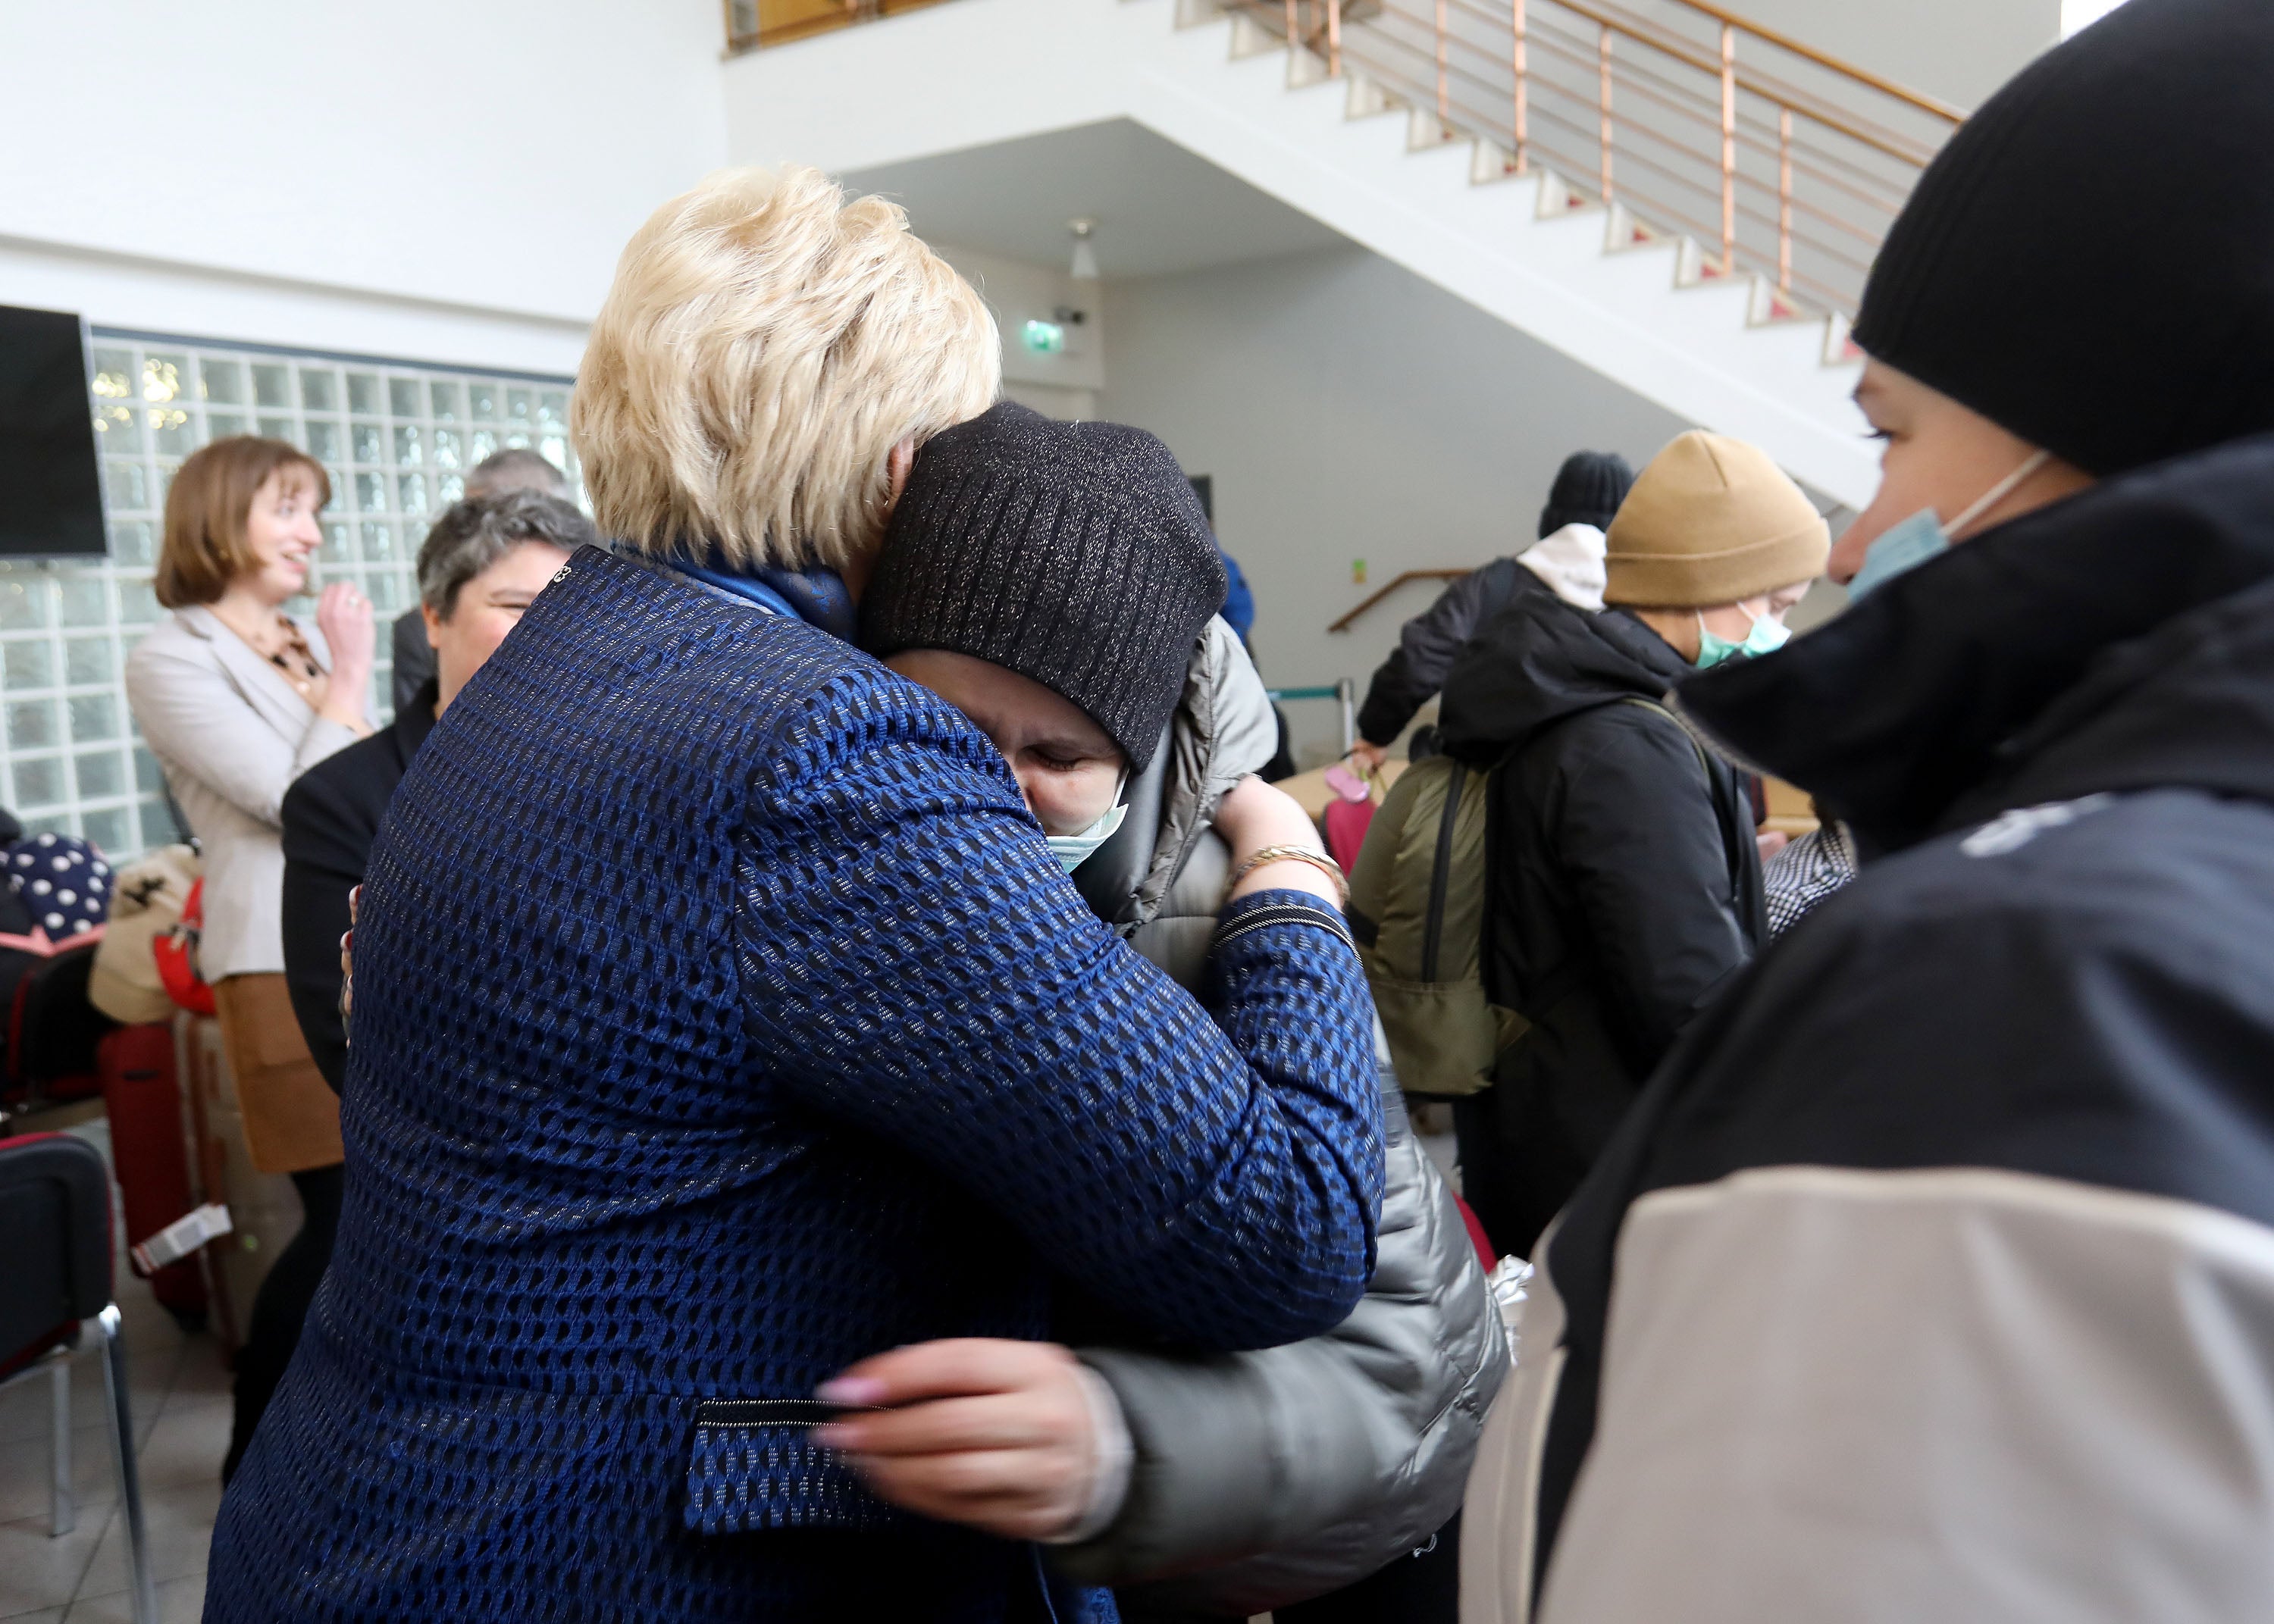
(1711, 521)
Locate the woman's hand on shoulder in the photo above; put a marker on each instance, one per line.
(1253, 817)
(995, 1434)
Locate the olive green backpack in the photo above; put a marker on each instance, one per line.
(1417, 908)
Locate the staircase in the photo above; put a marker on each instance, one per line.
(1680, 200)
(1750, 153)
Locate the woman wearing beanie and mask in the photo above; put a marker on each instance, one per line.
(1934, 1276)
(721, 1018)
(1032, 577)
(1625, 884)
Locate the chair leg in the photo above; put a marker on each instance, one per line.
(130, 1483)
(63, 1508)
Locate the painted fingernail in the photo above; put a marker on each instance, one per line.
(851, 1390)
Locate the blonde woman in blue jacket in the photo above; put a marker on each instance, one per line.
(722, 1017)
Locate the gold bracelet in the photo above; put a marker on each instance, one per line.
(1290, 854)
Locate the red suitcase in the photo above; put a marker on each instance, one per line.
(150, 1151)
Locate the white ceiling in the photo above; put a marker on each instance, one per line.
(1159, 209)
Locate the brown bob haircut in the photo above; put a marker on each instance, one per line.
(207, 508)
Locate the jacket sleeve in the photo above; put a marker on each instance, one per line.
(1931, 1276)
(918, 965)
(325, 852)
(1262, 1479)
(1425, 651)
(1632, 818)
(1957, 1393)
(193, 717)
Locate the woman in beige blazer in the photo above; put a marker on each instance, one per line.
(236, 699)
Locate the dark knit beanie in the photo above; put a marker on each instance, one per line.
(2090, 262)
(1588, 490)
(1073, 554)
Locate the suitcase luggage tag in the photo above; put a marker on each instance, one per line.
(179, 1239)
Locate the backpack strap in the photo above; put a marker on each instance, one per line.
(1703, 761)
(1712, 786)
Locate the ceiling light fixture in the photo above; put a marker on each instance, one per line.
(1085, 257)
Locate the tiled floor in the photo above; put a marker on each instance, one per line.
(179, 1393)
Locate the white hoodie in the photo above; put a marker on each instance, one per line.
(1571, 561)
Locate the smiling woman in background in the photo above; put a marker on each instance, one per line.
(236, 699)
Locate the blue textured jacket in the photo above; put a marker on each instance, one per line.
(721, 1018)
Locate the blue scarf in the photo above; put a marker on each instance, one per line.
(817, 596)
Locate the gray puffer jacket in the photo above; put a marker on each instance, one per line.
(1262, 1478)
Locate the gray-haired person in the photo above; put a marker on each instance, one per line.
(481, 565)
(501, 473)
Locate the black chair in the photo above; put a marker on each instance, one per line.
(55, 1282)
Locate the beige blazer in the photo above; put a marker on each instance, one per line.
(231, 732)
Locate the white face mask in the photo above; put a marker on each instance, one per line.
(1907, 545)
(1074, 850)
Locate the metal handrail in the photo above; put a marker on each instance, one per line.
(1343, 690)
(1666, 214)
(1403, 576)
(1809, 52)
(1848, 124)
(1842, 161)
(1834, 149)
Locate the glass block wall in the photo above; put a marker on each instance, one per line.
(396, 438)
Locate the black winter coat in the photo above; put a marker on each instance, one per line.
(1625, 884)
(1943, 1245)
(331, 816)
(1430, 642)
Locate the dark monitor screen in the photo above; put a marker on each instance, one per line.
(50, 489)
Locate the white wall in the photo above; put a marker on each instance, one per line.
(442, 181)
(1348, 408)
(1018, 293)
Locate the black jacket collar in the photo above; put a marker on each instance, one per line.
(416, 720)
(2120, 638)
(1541, 660)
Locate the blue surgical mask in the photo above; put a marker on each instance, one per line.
(1907, 545)
(1073, 851)
(1767, 638)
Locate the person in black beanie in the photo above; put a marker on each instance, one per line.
(1566, 560)
(1055, 581)
(1943, 1246)
(1074, 554)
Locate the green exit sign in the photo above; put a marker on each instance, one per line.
(1043, 337)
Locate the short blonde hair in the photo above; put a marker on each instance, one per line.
(766, 346)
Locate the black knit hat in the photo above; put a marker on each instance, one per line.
(2090, 262)
(1588, 490)
(1073, 554)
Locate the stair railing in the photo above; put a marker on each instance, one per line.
(1754, 153)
